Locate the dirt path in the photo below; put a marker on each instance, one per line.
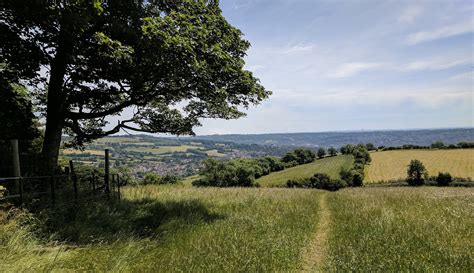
(314, 253)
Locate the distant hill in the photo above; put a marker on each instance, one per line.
(337, 139)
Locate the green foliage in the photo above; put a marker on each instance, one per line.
(321, 152)
(155, 179)
(300, 156)
(234, 173)
(370, 146)
(444, 179)
(152, 55)
(332, 151)
(417, 173)
(437, 145)
(317, 181)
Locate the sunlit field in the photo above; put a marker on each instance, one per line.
(425, 229)
(392, 165)
(180, 228)
(329, 165)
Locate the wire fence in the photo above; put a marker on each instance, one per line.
(20, 184)
(44, 191)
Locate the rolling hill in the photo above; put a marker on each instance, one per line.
(328, 165)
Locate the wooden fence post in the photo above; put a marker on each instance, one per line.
(118, 187)
(74, 178)
(15, 164)
(107, 173)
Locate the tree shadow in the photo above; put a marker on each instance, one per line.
(106, 222)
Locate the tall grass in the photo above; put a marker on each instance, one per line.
(176, 228)
(402, 229)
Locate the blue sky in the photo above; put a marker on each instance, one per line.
(355, 65)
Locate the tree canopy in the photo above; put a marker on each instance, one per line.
(168, 63)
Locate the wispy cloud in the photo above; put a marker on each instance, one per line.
(350, 69)
(410, 14)
(463, 76)
(440, 33)
(299, 48)
(433, 65)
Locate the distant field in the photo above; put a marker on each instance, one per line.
(392, 165)
(92, 152)
(328, 165)
(161, 149)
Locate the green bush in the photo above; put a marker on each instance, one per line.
(444, 179)
(151, 179)
(318, 181)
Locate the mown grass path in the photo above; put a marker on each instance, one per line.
(314, 253)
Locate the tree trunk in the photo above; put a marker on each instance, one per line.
(56, 106)
(51, 144)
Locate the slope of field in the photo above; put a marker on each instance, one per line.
(392, 165)
(328, 165)
(176, 228)
(426, 229)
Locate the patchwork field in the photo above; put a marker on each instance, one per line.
(328, 165)
(392, 165)
(179, 228)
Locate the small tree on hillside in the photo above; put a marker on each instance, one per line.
(437, 145)
(417, 173)
(332, 151)
(321, 152)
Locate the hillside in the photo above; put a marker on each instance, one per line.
(328, 165)
(327, 139)
(392, 165)
(143, 153)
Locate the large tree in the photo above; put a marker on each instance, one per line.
(166, 62)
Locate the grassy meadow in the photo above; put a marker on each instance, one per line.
(328, 165)
(181, 228)
(170, 228)
(426, 229)
(392, 165)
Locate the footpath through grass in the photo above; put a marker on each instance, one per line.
(180, 228)
(329, 165)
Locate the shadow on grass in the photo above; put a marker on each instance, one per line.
(105, 222)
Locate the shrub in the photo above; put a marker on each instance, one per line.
(437, 145)
(444, 179)
(151, 178)
(332, 151)
(323, 181)
(417, 173)
(301, 156)
(298, 183)
(321, 152)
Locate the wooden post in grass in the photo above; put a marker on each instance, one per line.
(74, 178)
(15, 164)
(107, 173)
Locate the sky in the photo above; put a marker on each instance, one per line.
(355, 65)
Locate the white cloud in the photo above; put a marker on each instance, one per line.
(440, 33)
(299, 48)
(350, 69)
(433, 65)
(409, 15)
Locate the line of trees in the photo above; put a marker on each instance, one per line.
(244, 172)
